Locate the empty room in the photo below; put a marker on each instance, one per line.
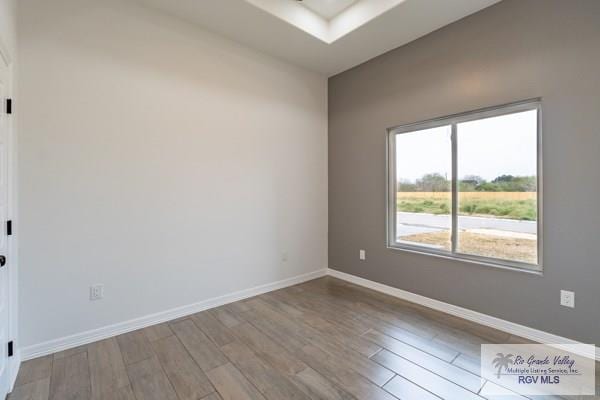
(299, 199)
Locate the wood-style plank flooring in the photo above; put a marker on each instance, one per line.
(324, 339)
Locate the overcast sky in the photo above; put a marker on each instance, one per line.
(491, 147)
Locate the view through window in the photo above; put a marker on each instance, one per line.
(468, 186)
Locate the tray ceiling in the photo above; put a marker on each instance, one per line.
(326, 36)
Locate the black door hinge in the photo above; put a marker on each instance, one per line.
(10, 349)
(8, 228)
(9, 106)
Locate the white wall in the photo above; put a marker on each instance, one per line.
(8, 25)
(167, 163)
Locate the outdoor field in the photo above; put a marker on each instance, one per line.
(492, 224)
(512, 205)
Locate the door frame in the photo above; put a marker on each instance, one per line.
(14, 362)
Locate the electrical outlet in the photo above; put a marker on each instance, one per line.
(96, 292)
(567, 298)
(284, 256)
(362, 255)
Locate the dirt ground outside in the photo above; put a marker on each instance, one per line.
(506, 248)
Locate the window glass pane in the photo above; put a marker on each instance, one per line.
(497, 187)
(423, 187)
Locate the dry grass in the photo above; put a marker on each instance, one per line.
(511, 205)
(470, 195)
(515, 249)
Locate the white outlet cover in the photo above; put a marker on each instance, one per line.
(96, 292)
(567, 298)
(362, 255)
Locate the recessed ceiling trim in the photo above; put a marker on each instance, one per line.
(325, 30)
(327, 9)
(326, 47)
(294, 14)
(357, 15)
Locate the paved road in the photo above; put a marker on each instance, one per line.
(413, 223)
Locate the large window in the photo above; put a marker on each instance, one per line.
(468, 186)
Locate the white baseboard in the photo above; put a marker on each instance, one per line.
(474, 316)
(67, 342)
(93, 335)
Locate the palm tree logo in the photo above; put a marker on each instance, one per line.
(502, 361)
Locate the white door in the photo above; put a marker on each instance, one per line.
(4, 164)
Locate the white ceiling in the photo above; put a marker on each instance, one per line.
(327, 8)
(289, 30)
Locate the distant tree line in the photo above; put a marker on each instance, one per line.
(438, 183)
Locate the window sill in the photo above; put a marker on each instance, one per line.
(505, 265)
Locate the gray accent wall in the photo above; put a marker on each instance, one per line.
(515, 50)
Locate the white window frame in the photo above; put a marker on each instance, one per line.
(453, 121)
